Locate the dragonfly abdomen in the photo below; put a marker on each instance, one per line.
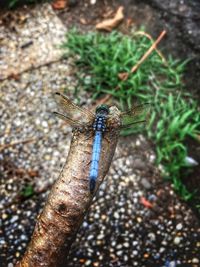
(95, 160)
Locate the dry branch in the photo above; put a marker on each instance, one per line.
(124, 75)
(69, 200)
(15, 143)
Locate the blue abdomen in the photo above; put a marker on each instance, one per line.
(95, 160)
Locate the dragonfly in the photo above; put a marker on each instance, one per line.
(98, 123)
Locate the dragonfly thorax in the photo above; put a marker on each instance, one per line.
(100, 119)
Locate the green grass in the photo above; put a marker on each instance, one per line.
(174, 117)
(27, 191)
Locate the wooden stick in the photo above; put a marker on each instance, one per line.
(149, 51)
(124, 76)
(150, 38)
(29, 140)
(69, 200)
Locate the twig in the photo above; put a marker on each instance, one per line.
(29, 140)
(150, 38)
(123, 76)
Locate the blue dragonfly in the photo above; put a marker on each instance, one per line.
(98, 124)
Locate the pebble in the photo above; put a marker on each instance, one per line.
(177, 240)
(135, 252)
(116, 215)
(146, 183)
(179, 226)
(14, 218)
(172, 264)
(126, 245)
(88, 263)
(195, 260)
(4, 216)
(119, 253)
(152, 236)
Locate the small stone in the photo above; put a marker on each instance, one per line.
(161, 250)
(4, 216)
(125, 258)
(135, 243)
(119, 253)
(14, 219)
(90, 237)
(145, 183)
(135, 252)
(179, 226)
(152, 236)
(100, 236)
(116, 215)
(119, 246)
(195, 260)
(139, 219)
(126, 244)
(44, 124)
(177, 240)
(17, 254)
(23, 237)
(113, 244)
(88, 263)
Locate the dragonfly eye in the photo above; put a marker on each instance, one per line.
(102, 109)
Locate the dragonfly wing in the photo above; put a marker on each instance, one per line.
(68, 120)
(73, 111)
(136, 115)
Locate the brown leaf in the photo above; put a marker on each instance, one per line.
(129, 22)
(146, 203)
(123, 76)
(83, 21)
(59, 4)
(110, 24)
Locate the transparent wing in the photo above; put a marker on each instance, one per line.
(73, 112)
(136, 115)
(68, 120)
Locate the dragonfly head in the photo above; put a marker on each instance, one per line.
(102, 110)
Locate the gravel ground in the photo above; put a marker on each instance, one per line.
(136, 218)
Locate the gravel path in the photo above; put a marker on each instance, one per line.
(136, 219)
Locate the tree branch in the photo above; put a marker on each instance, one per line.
(69, 200)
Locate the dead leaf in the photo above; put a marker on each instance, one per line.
(83, 21)
(123, 76)
(129, 22)
(146, 203)
(110, 24)
(59, 4)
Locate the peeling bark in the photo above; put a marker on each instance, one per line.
(69, 200)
